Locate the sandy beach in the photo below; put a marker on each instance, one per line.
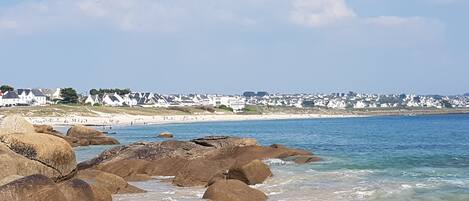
(128, 120)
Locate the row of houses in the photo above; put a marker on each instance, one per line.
(28, 97)
(360, 101)
(158, 100)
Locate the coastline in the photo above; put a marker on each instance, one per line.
(118, 119)
(128, 120)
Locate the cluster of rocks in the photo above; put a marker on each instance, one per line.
(78, 135)
(39, 167)
(225, 165)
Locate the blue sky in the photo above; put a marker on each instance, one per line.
(220, 46)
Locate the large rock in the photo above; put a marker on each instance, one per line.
(224, 141)
(87, 136)
(31, 188)
(31, 153)
(233, 190)
(252, 173)
(113, 183)
(47, 129)
(15, 124)
(77, 190)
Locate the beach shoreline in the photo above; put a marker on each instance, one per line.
(115, 119)
(129, 120)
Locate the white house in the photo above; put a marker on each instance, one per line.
(10, 98)
(52, 94)
(360, 105)
(31, 97)
(38, 97)
(113, 100)
(237, 103)
(129, 100)
(93, 99)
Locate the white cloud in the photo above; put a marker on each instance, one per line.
(320, 12)
(124, 15)
(173, 15)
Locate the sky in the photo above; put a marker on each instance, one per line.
(221, 46)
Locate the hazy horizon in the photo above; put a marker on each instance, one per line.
(225, 47)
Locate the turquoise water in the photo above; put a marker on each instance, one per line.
(376, 158)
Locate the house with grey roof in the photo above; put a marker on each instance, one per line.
(33, 97)
(10, 98)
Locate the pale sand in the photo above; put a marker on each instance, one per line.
(126, 120)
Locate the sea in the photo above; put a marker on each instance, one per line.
(393, 158)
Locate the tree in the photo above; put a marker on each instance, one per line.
(94, 92)
(5, 88)
(69, 96)
(110, 91)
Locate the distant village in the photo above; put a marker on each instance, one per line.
(350, 100)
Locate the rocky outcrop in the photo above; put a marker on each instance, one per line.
(31, 188)
(46, 129)
(165, 135)
(84, 136)
(42, 166)
(31, 153)
(111, 182)
(252, 173)
(233, 190)
(194, 163)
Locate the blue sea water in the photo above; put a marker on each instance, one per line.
(424, 158)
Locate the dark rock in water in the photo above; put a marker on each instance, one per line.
(31, 188)
(305, 159)
(224, 141)
(77, 190)
(165, 135)
(113, 183)
(252, 173)
(233, 190)
(84, 136)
